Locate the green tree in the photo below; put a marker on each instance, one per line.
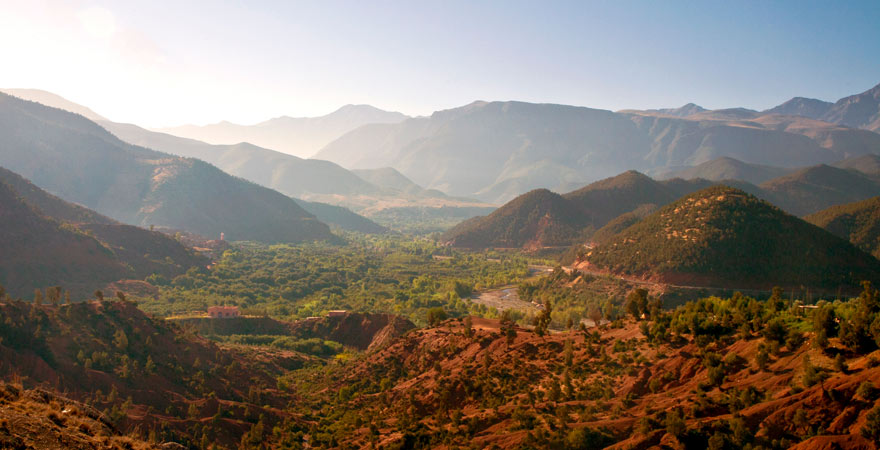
(801, 421)
(542, 320)
(568, 353)
(871, 429)
(775, 330)
(586, 439)
(825, 320)
(120, 340)
(468, 327)
(436, 315)
(462, 289)
(637, 302)
(99, 295)
(675, 424)
(716, 442)
(762, 358)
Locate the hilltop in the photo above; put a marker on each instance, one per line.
(867, 164)
(606, 199)
(726, 168)
(724, 237)
(539, 218)
(542, 218)
(67, 154)
(857, 222)
(816, 188)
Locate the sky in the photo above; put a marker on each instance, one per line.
(163, 63)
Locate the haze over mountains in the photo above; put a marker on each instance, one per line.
(494, 151)
(298, 136)
(75, 158)
(47, 242)
(319, 185)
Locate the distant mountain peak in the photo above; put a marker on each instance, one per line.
(802, 106)
(55, 101)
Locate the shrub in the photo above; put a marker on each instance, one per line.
(866, 391)
(871, 429)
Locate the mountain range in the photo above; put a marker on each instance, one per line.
(542, 218)
(856, 111)
(298, 136)
(79, 161)
(324, 189)
(493, 151)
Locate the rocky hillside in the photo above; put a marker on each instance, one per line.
(724, 237)
(857, 222)
(357, 330)
(73, 157)
(145, 375)
(40, 419)
(491, 384)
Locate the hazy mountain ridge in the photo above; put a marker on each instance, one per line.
(48, 241)
(55, 101)
(493, 150)
(67, 154)
(299, 136)
(856, 111)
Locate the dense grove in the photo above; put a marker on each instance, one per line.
(372, 274)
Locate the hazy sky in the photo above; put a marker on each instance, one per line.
(158, 63)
